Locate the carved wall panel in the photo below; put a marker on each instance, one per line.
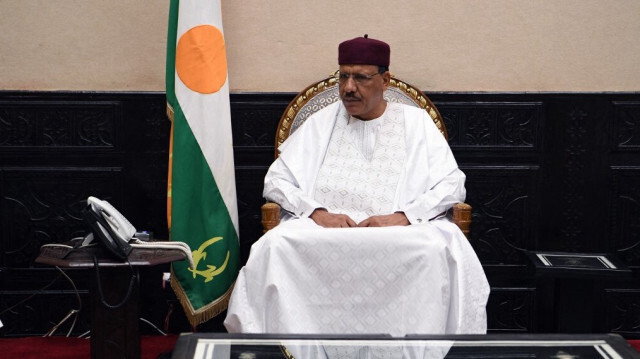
(249, 183)
(254, 121)
(503, 217)
(251, 124)
(625, 179)
(498, 126)
(43, 205)
(67, 125)
(146, 163)
(574, 179)
(627, 125)
(511, 310)
(626, 212)
(623, 312)
(575, 174)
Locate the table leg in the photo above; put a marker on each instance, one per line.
(114, 325)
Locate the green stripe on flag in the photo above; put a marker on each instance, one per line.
(198, 217)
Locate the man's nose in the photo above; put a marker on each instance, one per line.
(350, 85)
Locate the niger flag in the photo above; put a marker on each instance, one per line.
(201, 205)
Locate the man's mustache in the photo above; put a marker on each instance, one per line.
(350, 96)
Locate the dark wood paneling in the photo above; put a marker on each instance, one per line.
(513, 310)
(544, 172)
(43, 205)
(504, 202)
(622, 308)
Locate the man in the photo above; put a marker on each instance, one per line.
(363, 246)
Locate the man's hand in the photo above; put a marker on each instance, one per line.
(394, 219)
(331, 220)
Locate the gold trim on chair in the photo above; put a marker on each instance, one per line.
(290, 113)
(330, 84)
(423, 102)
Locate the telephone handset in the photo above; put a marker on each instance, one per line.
(110, 227)
(118, 235)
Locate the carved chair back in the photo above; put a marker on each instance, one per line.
(325, 92)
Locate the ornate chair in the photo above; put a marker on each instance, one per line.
(325, 92)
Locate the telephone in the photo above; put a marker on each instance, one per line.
(109, 226)
(117, 235)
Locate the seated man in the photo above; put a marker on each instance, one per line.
(363, 246)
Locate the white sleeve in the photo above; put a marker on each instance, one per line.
(449, 191)
(291, 178)
(434, 181)
(282, 187)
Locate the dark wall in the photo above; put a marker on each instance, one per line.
(555, 172)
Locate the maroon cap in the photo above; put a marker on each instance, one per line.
(364, 51)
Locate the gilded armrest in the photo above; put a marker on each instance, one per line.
(461, 216)
(270, 216)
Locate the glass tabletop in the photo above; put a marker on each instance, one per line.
(560, 346)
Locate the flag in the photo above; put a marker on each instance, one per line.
(201, 197)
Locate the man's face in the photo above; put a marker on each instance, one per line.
(361, 89)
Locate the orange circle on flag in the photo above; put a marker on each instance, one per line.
(201, 59)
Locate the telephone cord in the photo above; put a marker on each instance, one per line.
(132, 282)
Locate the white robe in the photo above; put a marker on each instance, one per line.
(418, 279)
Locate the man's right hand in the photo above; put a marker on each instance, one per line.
(331, 220)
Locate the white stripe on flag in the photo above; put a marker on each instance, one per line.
(209, 115)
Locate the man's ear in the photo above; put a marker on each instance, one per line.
(386, 79)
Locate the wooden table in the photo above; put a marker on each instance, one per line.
(114, 302)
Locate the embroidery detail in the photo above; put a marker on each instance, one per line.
(351, 184)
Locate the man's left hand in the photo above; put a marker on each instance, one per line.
(387, 220)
